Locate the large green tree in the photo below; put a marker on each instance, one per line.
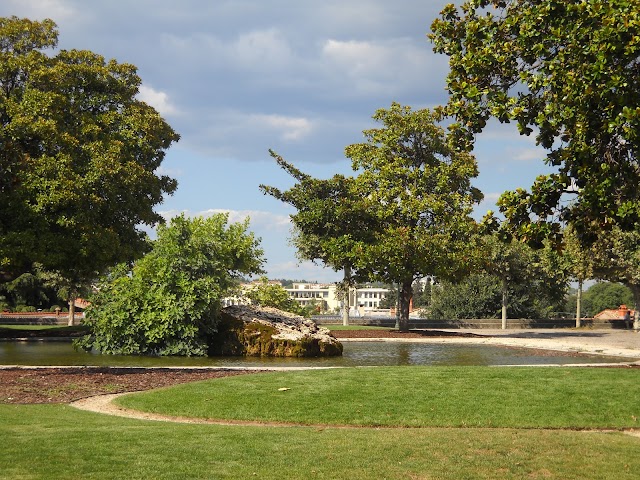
(566, 71)
(79, 157)
(331, 222)
(420, 193)
(168, 303)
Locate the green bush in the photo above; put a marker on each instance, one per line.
(168, 303)
(25, 308)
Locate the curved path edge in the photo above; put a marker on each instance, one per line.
(104, 404)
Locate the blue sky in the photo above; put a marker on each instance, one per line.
(235, 78)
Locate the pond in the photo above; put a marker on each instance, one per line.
(355, 354)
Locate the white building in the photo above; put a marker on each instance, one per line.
(363, 300)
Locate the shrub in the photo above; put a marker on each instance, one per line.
(167, 304)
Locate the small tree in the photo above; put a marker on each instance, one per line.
(508, 261)
(168, 303)
(579, 261)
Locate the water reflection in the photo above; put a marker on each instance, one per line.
(355, 354)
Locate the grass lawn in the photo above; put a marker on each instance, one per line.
(530, 397)
(59, 442)
(513, 418)
(32, 327)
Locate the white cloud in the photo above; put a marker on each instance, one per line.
(381, 67)
(57, 10)
(289, 128)
(157, 99)
(259, 219)
(170, 172)
(527, 154)
(261, 51)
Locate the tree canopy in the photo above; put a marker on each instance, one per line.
(420, 191)
(332, 222)
(566, 71)
(79, 157)
(168, 303)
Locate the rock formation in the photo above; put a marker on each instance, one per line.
(265, 331)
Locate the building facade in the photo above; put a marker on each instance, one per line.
(362, 300)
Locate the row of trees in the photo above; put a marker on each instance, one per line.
(564, 70)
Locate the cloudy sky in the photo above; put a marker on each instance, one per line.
(237, 77)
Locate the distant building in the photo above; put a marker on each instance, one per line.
(614, 313)
(363, 300)
(320, 294)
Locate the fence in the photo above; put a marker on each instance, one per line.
(37, 318)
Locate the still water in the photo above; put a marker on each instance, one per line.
(355, 354)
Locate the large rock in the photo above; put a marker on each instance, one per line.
(266, 331)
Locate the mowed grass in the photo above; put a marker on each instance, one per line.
(527, 397)
(59, 442)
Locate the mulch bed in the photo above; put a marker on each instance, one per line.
(64, 385)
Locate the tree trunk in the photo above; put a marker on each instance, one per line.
(635, 289)
(72, 311)
(579, 304)
(398, 307)
(505, 285)
(405, 300)
(345, 301)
